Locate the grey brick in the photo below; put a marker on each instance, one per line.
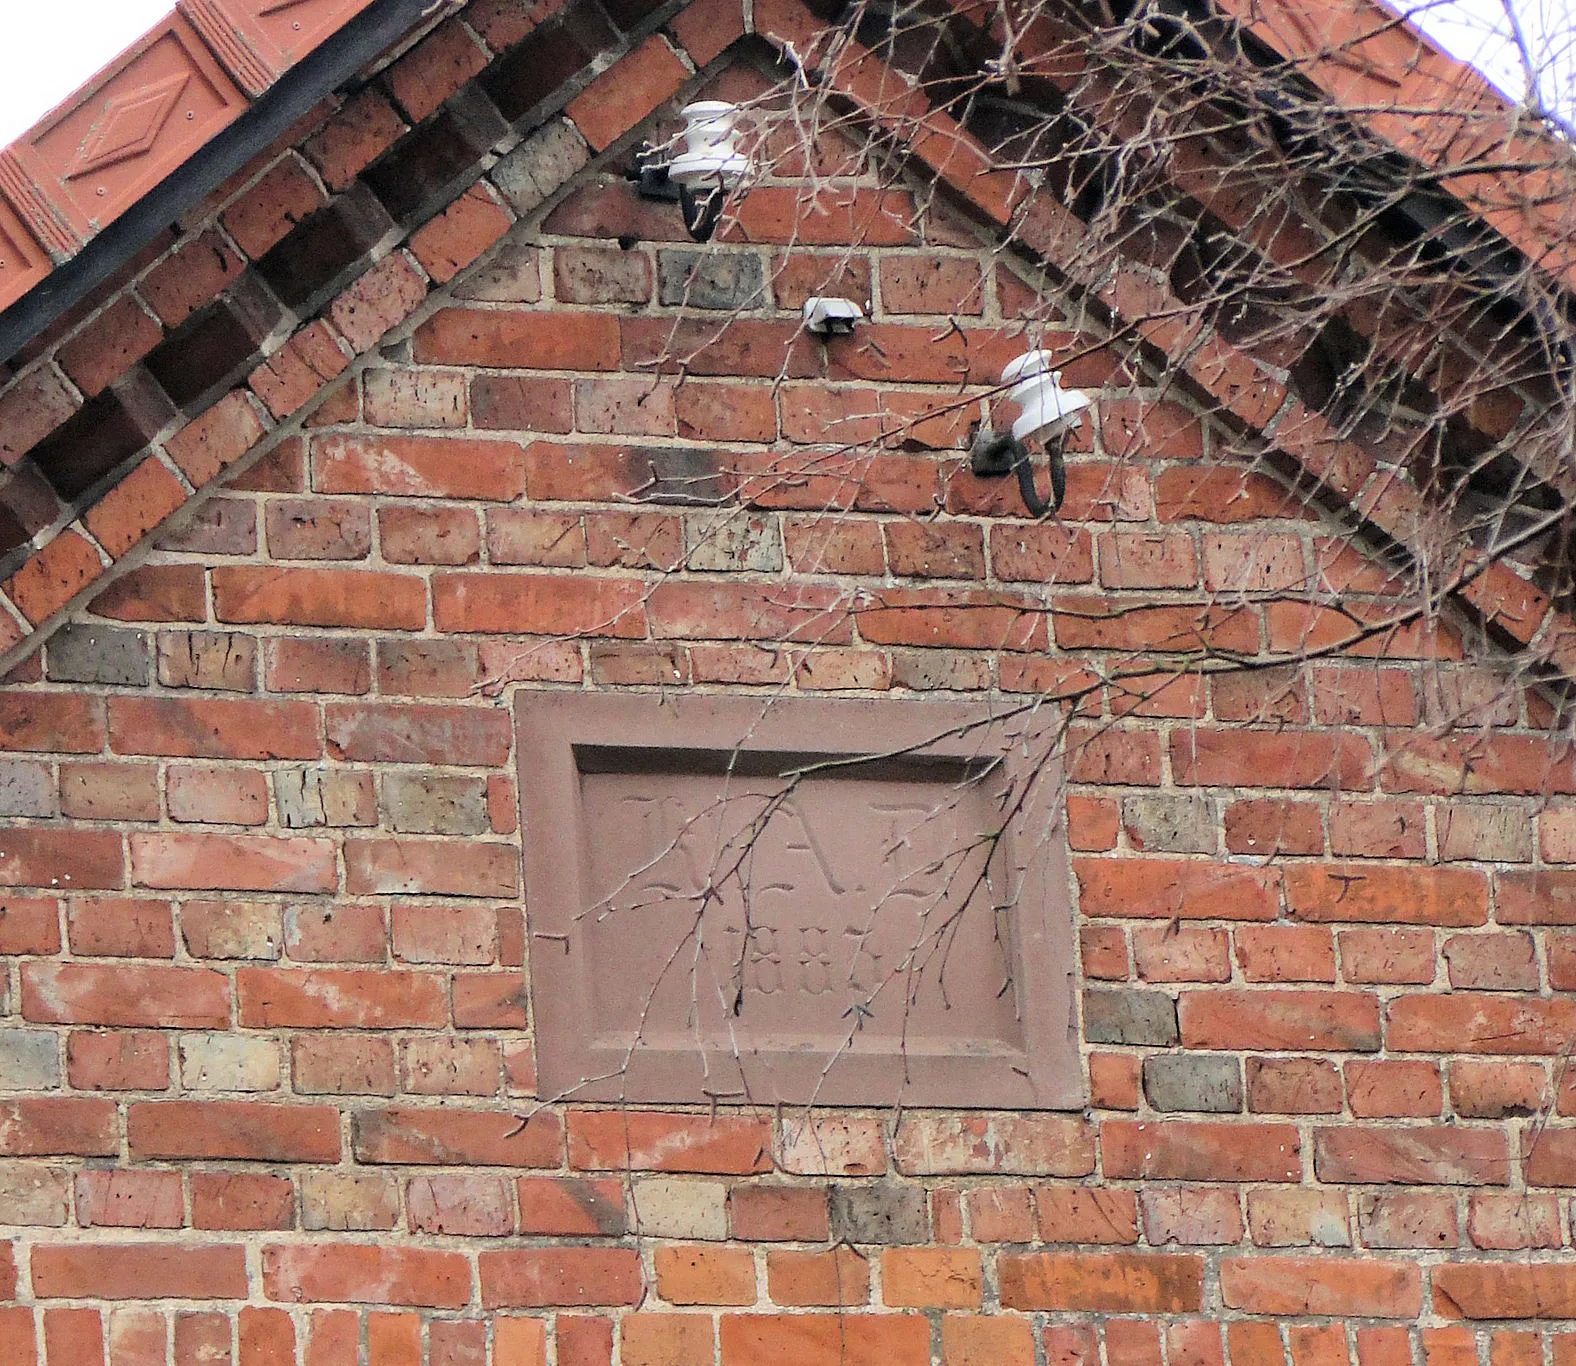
(29, 1060)
(886, 1212)
(538, 166)
(1183, 1082)
(27, 788)
(421, 803)
(731, 542)
(1130, 1017)
(84, 653)
(710, 279)
(1173, 824)
(222, 660)
(313, 796)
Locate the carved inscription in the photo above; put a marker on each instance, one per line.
(838, 913)
(815, 902)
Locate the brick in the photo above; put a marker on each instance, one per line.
(27, 789)
(1271, 826)
(1504, 1291)
(319, 597)
(1499, 1220)
(1130, 1017)
(128, 792)
(705, 1275)
(1284, 953)
(1398, 956)
(1479, 1024)
(1393, 1087)
(1298, 1218)
(1179, 1082)
(1293, 1086)
(1068, 1214)
(53, 576)
(34, 1195)
(121, 1061)
(203, 862)
(1496, 1090)
(1200, 1151)
(216, 795)
(830, 1144)
(129, 1199)
(931, 1278)
(458, 235)
(572, 1206)
(661, 1339)
(222, 1062)
(456, 1137)
(642, 1141)
(1491, 962)
(1282, 1019)
(710, 279)
(1407, 1219)
(538, 167)
(31, 409)
(1417, 1156)
(1175, 953)
(1123, 1283)
(51, 857)
(231, 929)
(928, 1144)
(120, 336)
(377, 1274)
(319, 998)
(536, 1277)
(122, 994)
(213, 728)
(238, 1130)
(622, 96)
(84, 653)
(824, 1340)
(221, 660)
(380, 299)
(376, 867)
(1190, 1216)
(73, 1335)
(1367, 1288)
(139, 1271)
(777, 1214)
(44, 1126)
(241, 1201)
(453, 1067)
(269, 209)
(670, 1207)
(885, 1212)
(348, 1202)
(1163, 889)
(365, 126)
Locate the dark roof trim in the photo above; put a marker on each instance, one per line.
(324, 69)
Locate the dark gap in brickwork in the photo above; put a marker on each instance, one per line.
(320, 253)
(427, 167)
(550, 57)
(216, 346)
(103, 434)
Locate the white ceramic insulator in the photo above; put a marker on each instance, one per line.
(711, 155)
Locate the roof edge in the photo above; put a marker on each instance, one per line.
(302, 84)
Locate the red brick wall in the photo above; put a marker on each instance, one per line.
(264, 1043)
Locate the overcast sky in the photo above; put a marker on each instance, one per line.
(52, 47)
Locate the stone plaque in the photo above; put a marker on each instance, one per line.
(795, 900)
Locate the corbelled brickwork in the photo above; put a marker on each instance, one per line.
(266, 1068)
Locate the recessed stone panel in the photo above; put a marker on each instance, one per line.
(838, 902)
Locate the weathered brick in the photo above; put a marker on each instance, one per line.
(1178, 1082)
(85, 653)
